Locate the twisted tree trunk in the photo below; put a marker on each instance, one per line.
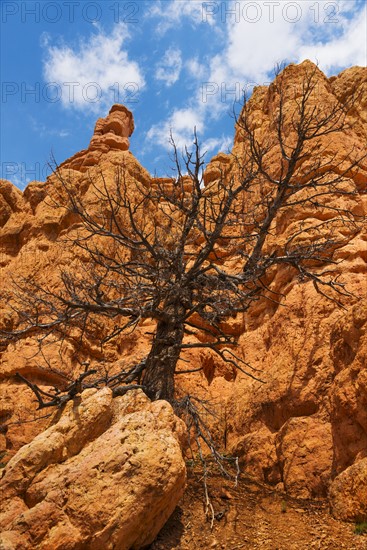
(159, 374)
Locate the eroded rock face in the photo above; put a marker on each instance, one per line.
(348, 493)
(11, 200)
(110, 134)
(33, 244)
(114, 130)
(307, 423)
(107, 474)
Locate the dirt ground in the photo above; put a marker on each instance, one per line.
(252, 517)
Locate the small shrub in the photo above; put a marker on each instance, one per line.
(360, 528)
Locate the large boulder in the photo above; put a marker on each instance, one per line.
(348, 493)
(107, 473)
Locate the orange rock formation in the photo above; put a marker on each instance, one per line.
(75, 485)
(305, 428)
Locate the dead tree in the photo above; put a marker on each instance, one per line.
(154, 251)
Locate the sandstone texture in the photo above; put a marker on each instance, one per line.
(304, 427)
(35, 245)
(110, 133)
(107, 473)
(348, 493)
(306, 423)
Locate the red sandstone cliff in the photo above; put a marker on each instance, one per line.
(306, 427)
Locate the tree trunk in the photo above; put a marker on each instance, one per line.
(159, 374)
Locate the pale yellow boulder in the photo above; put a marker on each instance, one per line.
(107, 474)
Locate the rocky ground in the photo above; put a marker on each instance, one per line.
(252, 518)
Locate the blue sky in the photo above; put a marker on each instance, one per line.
(175, 63)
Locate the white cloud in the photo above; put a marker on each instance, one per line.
(343, 51)
(181, 123)
(96, 74)
(330, 33)
(42, 130)
(169, 67)
(196, 69)
(172, 14)
(217, 144)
